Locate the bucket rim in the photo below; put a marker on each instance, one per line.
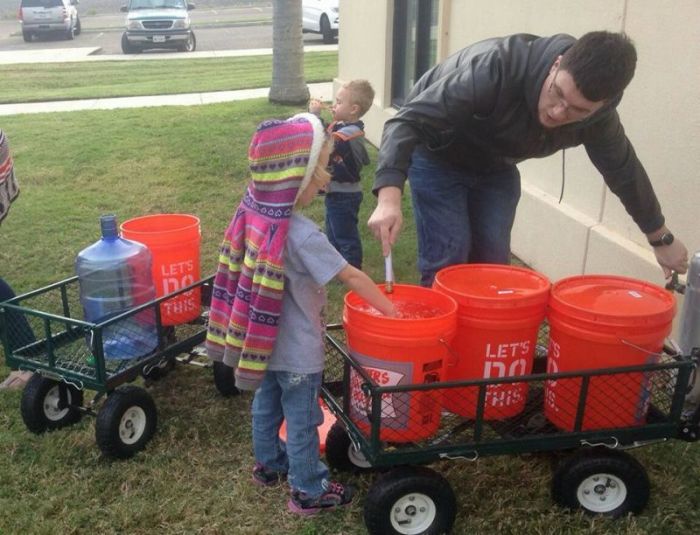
(453, 306)
(529, 297)
(188, 221)
(559, 306)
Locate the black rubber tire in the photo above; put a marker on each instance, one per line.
(78, 26)
(326, 32)
(340, 452)
(126, 422)
(39, 404)
(409, 498)
(70, 34)
(190, 45)
(27, 36)
(590, 482)
(127, 48)
(224, 380)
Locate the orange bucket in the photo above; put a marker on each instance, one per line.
(601, 322)
(174, 243)
(323, 429)
(500, 311)
(408, 350)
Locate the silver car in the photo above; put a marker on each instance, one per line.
(49, 16)
(158, 24)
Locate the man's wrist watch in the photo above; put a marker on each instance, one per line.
(665, 239)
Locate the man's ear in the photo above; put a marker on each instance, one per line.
(355, 108)
(556, 64)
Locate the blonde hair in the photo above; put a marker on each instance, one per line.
(361, 94)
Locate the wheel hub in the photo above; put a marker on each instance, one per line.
(52, 404)
(602, 493)
(132, 425)
(413, 513)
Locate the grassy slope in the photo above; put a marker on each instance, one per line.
(67, 81)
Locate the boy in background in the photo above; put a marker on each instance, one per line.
(349, 155)
(267, 312)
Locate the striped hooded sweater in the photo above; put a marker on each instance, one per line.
(8, 184)
(249, 281)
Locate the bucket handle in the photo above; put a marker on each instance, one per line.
(454, 357)
(635, 346)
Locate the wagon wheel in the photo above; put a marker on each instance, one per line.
(126, 422)
(341, 453)
(607, 483)
(410, 500)
(49, 404)
(224, 380)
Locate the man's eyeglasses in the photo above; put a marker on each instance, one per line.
(575, 113)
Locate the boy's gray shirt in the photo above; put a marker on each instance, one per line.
(310, 262)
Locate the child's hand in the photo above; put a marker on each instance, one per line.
(315, 106)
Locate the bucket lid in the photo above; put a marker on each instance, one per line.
(493, 285)
(611, 299)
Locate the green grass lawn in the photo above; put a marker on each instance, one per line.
(194, 476)
(99, 79)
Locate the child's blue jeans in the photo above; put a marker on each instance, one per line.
(294, 397)
(460, 216)
(342, 210)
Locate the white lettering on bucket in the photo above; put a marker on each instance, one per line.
(173, 284)
(507, 350)
(177, 268)
(382, 378)
(552, 367)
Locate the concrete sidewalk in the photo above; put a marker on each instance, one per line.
(321, 90)
(92, 53)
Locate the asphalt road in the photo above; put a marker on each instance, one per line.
(231, 28)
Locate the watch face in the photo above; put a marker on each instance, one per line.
(667, 239)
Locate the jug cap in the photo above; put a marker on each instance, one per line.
(108, 225)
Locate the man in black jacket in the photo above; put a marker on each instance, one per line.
(469, 120)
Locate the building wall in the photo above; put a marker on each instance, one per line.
(589, 230)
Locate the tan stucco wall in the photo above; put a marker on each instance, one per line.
(588, 231)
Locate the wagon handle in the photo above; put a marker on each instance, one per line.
(612, 446)
(462, 457)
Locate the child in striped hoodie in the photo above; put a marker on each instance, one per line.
(267, 313)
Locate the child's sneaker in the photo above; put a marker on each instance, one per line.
(335, 495)
(267, 478)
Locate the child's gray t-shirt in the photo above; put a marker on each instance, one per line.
(310, 262)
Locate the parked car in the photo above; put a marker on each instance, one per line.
(41, 17)
(158, 24)
(320, 16)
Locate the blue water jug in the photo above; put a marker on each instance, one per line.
(115, 276)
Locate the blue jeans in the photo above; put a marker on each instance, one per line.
(19, 333)
(294, 397)
(342, 211)
(460, 216)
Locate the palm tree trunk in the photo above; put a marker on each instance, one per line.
(288, 84)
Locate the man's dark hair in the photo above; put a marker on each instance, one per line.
(601, 64)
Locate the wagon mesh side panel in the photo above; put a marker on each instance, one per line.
(433, 416)
(41, 334)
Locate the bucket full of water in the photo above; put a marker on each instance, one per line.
(599, 322)
(500, 309)
(174, 243)
(410, 349)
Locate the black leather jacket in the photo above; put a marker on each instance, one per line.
(478, 111)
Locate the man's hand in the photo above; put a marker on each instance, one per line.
(386, 220)
(672, 258)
